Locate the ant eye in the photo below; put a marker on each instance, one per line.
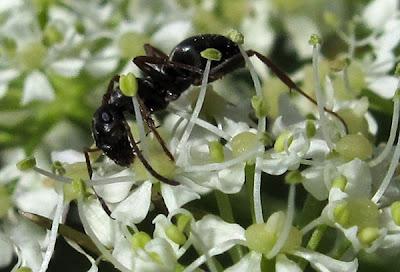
(106, 117)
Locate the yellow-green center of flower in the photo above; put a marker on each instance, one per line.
(26, 164)
(368, 235)
(183, 222)
(160, 163)
(174, 234)
(361, 212)
(354, 146)
(32, 55)
(260, 106)
(355, 123)
(74, 190)
(139, 240)
(51, 35)
(244, 142)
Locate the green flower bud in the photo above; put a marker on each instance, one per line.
(139, 240)
(26, 164)
(128, 84)
(340, 182)
(354, 146)
(368, 235)
(216, 150)
(211, 54)
(174, 234)
(283, 140)
(235, 36)
(395, 211)
(314, 40)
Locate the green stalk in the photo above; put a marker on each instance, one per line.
(249, 174)
(225, 211)
(313, 243)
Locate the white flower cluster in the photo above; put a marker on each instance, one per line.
(219, 148)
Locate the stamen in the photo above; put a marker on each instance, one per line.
(104, 181)
(54, 230)
(319, 96)
(393, 128)
(222, 165)
(287, 225)
(51, 175)
(196, 111)
(261, 129)
(221, 248)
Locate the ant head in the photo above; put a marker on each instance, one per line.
(110, 134)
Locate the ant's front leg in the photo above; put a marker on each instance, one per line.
(150, 124)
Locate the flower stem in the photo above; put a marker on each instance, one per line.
(225, 211)
(313, 243)
(249, 177)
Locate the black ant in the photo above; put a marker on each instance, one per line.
(165, 78)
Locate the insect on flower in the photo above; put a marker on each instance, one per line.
(165, 78)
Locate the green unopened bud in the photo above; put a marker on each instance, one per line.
(314, 40)
(139, 240)
(216, 150)
(340, 182)
(293, 177)
(243, 142)
(284, 140)
(341, 214)
(397, 70)
(57, 168)
(24, 269)
(183, 222)
(26, 164)
(5, 201)
(128, 84)
(368, 235)
(310, 128)
(354, 146)
(395, 211)
(235, 36)
(211, 54)
(174, 234)
(74, 190)
(259, 106)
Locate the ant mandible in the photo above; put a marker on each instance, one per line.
(165, 78)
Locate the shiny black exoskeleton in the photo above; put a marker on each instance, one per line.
(164, 79)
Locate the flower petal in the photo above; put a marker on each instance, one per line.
(67, 67)
(283, 264)
(177, 196)
(135, 207)
(250, 262)
(37, 87)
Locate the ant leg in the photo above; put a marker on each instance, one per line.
(86, 151)
(152, 51)
(144, 161)
(237, 61)
(150, 124)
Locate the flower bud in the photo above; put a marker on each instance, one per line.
(139, 240)
(175, 235)
(243, 142)
(183, 222)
